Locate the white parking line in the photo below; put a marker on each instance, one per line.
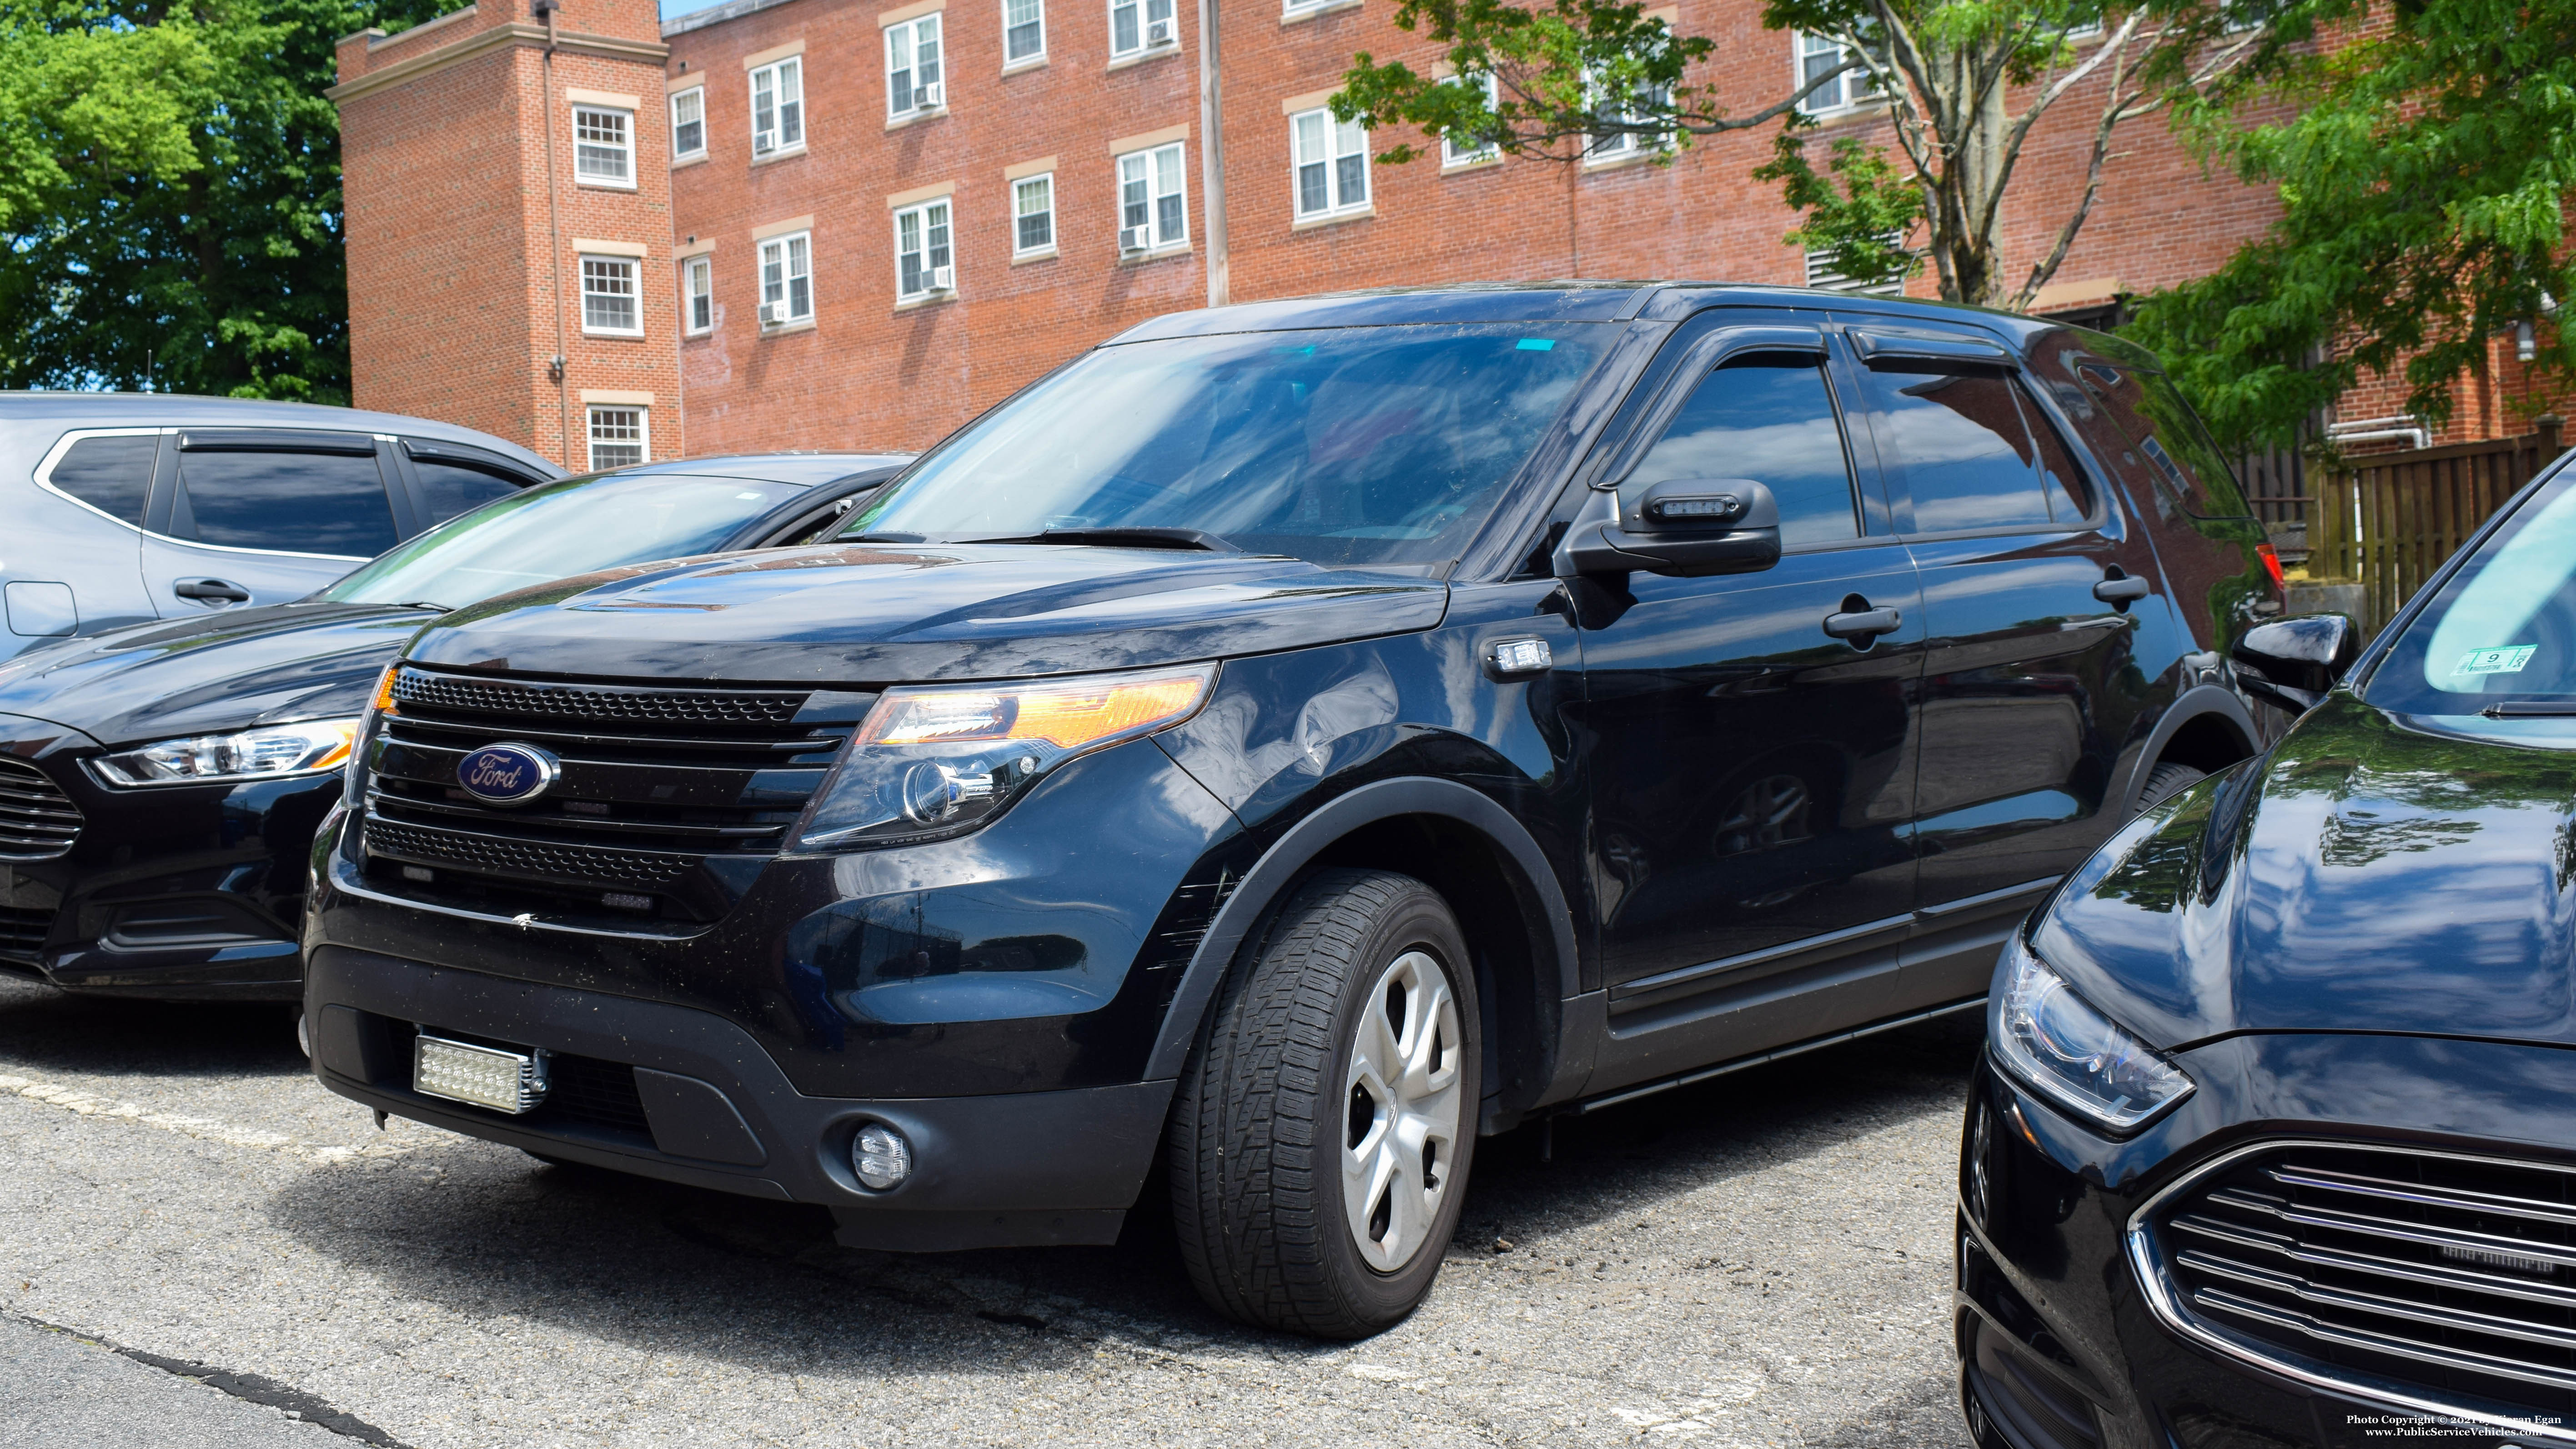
(205, 1129)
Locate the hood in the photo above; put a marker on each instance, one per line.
(221, 672)
(884, 614)
(2377, 872)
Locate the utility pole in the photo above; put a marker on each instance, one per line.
(1212, 155)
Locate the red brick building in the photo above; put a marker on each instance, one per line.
(845, 225)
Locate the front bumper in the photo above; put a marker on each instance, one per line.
(709, 1108)
(2062, 1345)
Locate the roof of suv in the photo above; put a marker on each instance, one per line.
(163, 410)
(1540, 302)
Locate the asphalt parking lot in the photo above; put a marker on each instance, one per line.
(200, 1245)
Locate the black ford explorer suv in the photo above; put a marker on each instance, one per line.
(1295, 739)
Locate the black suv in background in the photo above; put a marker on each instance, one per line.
(1297, 739)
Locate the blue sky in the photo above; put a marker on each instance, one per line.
(683, 7)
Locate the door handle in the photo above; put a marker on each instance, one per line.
(2120, 589)
(211, 591)
(1863, 624)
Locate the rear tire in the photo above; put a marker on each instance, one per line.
(1314, 1190)
(2165, 781)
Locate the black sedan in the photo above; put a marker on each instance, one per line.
(160, 784)
(2275, 1139)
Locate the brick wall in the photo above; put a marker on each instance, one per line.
(873, 371)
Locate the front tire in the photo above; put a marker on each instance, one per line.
(1323, 1131)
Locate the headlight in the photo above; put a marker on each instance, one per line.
(308, 748)
(937, 760)
(2072, 1054)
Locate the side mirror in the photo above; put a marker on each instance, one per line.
(1684, 526)
(2293, 662)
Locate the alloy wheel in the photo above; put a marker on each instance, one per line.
(1400, 1139)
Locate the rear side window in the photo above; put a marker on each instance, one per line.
(328, 503)
(447, 490)
(1973, 449)
(2185, 467)
(112, 475)
(1768, 417)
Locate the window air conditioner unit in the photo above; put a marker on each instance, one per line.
(943, 279)
(1135, 238)
(772, 313)
(927, 97)
(1158, 32)
(762, 145)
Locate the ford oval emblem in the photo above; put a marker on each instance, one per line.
(508, 773)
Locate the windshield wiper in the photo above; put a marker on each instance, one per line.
(1120, 538)
(427, 604)
(2530, 709)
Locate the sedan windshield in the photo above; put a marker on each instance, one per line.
(557, 530)
(1369, 446)
(2501, 636)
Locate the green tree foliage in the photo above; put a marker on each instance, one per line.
(1567, 74)
(2425, 173)
(170, 194)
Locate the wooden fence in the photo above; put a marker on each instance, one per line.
(2390, 520)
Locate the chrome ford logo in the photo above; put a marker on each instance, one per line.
(507, 773)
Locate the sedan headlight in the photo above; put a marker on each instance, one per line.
(2072, 1054)
(311, 747)
(934, 761)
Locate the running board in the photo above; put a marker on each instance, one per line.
(1702, 1074)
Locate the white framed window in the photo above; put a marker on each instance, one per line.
(1033, 214)
(912, 68)
(787, 279)
(698, 295)
(1137, 26)
(620, 437)
(1822, 276)
(689, 123)
(1818, 54)
(603, 146)
(778, 106)
(925, 265)
(1474, 152)
(1153, 200)
(1023, 31)
(1617, 144)
(1330, 162)
(608, 299)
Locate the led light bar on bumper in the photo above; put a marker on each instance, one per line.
(2057, 1043)
(310, 747)
(935, 761)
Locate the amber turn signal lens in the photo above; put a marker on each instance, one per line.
(385, 690)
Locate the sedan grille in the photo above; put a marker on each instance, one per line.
(664, 792)
(37, 820)
(2449, 1279)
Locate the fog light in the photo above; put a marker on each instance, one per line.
(880, 1156)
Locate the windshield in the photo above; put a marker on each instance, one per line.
(556, 530)
(2503, 630)
(1368, 446)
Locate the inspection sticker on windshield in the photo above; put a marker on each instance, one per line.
(2508, 659)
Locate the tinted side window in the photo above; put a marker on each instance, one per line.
(112, 475)
(1768, 417)
(447, 490)
(298, 502)
(1961, 437)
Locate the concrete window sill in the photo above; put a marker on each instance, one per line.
(593, 183)
(935, 299)
(1461, 168)
(1140, 259)
(1619, 162)
(783, 328)
(1317, 12)
(1034, 62)
(699, 159)
(1045, 255)
(784, 153)
(1315, 223)
(916, 118)
(1159, 52)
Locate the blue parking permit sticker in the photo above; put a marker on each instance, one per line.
(2506, 659)
(1538, 344)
